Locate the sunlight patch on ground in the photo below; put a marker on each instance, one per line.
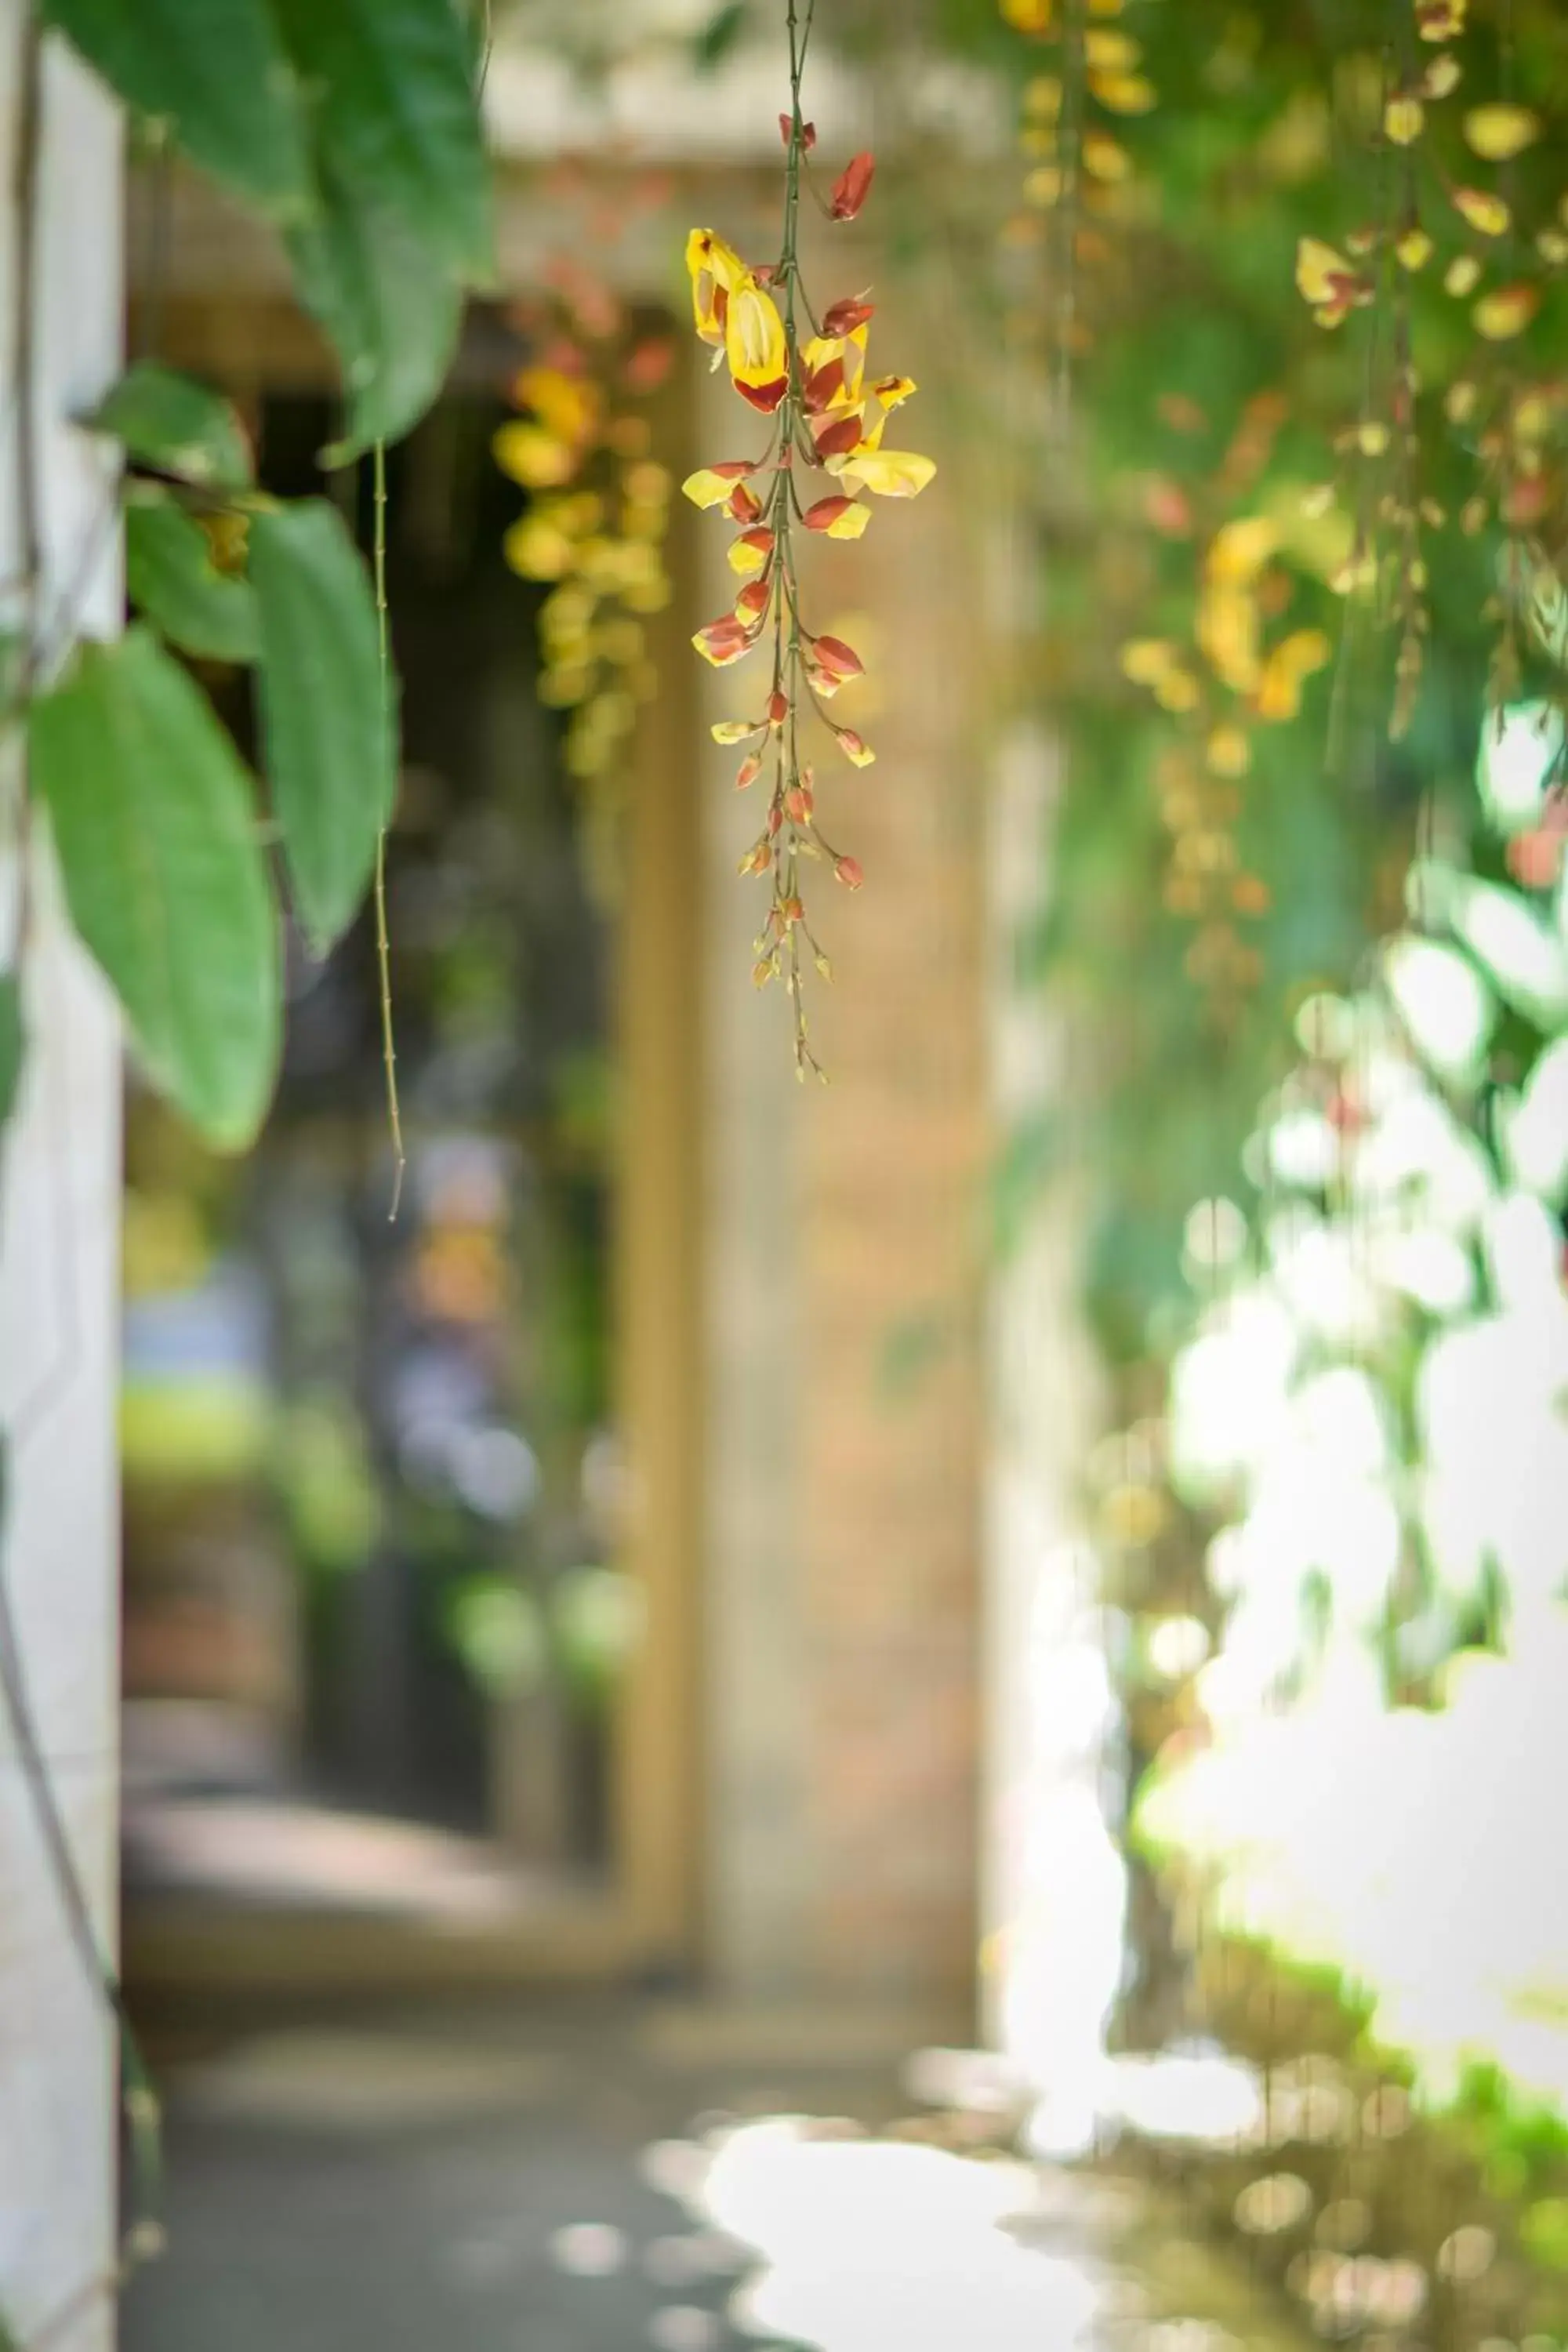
(860, 2243)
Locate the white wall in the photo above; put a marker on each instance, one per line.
(1053, 1887)
(60, 1189)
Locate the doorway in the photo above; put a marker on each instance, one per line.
(410, 1543)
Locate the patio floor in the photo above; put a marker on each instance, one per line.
(569, 2178)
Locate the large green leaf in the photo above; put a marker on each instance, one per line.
(329, 743)
(215, 71)
(178, 426)
(392, 307)
(396, 116)
(171, 577)
(164, 875)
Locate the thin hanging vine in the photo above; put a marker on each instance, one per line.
(827, 419)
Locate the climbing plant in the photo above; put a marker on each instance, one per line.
(356, 131)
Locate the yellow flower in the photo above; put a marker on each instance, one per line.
(1229, 752)
(1440, 20)
(754, 346)
(533, 456)
(892, 389)
(538, 548)
(1229, 629)
(1462, 276)
(1176, 691)
(1328, 281)
(850, 350)
(1103, 159)
(839, 516)
(1105, 51)
(1287, 669)
(890, 473)
(1239, 550)
(567, 405)
(1414, 248)
(716, 268)
(750, 552)
(1403, 118)
(708, 487)
(1502, 315)
(1124, 93)
(1146, 661)
(1500, 132)
(1482, 210)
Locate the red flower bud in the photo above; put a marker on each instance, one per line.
(648, 366)
(826, 512)
(821, 385)
(763, 397)
(742, 504)
(807, 132)
(759, 857)
(838, 435)
(843, 317)
(778, 707)
(847, 870)
(1535, 859)
(724, 640)
(852, 187)
(754, 599)
(834, 655)
(762, 539)
(798, 805)
(791, 910)
(750, 768)
(775, 819)
(1526, 500)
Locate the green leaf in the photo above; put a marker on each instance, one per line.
(390, 305)
(179, 427)
(171, 577)
(713, 43)
(329, 743)
(12, 1043)
(154, 824)
(396, 117)
(215, 72)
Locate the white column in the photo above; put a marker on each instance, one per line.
(59, 1192)
(1053, 1887)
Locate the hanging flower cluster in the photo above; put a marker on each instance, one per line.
(828, 418)
(1454, 203)
(598, 513)
(1077, 168)
(1238, 674)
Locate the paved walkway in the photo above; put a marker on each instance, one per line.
(574, 2180)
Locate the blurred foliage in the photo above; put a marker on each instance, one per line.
(1222, 857)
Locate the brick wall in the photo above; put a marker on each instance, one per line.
(844, 1232)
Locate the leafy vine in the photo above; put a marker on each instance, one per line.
(827, 417)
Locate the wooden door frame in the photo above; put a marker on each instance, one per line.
(251, 338)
